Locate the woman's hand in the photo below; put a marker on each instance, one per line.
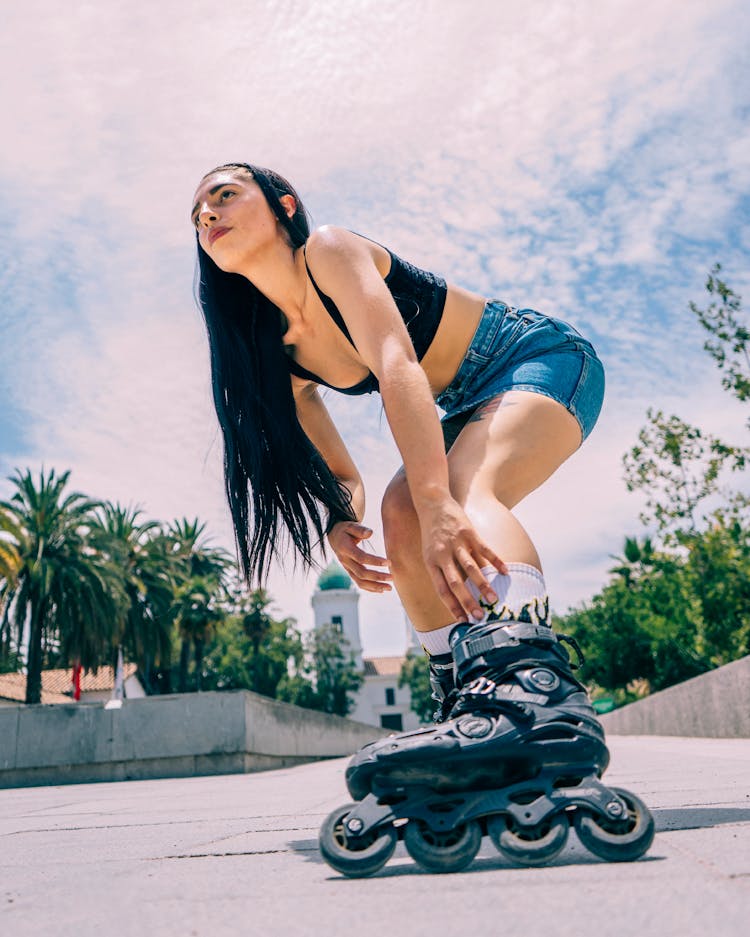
(453, 552)
(344, 539)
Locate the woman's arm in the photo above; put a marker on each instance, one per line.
(345, 536)
(452, 550)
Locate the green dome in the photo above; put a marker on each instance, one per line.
(334, 577)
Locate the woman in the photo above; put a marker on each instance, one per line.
(288, 311)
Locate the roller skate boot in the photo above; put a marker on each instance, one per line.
(519, 759)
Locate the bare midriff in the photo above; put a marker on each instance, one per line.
(461, 316)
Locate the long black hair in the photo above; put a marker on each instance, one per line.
(274, 476)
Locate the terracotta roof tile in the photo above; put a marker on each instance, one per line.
(383, 666)
(57, 685)
(60, 681)
(13, 687)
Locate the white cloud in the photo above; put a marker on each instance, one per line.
(588, 160)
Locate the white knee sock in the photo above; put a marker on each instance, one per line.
(436, 642)
(521, 594)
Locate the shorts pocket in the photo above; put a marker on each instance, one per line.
(501, 339)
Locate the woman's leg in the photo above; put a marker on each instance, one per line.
(515, 719)
(509, 447)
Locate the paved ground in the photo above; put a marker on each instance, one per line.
(208, 857)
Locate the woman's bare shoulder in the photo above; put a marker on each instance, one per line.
(331, 238)
(330, 244)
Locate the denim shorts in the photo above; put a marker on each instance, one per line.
(521, 349)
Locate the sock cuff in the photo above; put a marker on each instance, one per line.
(525, 568)
(436, 642)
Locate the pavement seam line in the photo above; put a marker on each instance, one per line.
(223, 855)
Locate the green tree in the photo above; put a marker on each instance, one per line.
(641, 626)
(251, 649)
(325, 675)
(11, 661)
(67, 588)
(235, 660)
(415, 673)
(677, 466)
(148, 568)
(199, 573)
(336, 674)
(636, 560)
(10, 559)
(256, 622)
(725, 320)
(718, 572)
(10, 566)
(679, 604)
(276, 648)
(197, 615)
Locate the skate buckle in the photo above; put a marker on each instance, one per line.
(482, 686)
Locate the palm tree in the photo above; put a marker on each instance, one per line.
(10, 565)
(148, 569)
(252, 611)
(637, 559)
(256, 622)
(200, 590)
(197, 616)
(10, 561)
(67, 590)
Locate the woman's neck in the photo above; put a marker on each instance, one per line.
(280, 275)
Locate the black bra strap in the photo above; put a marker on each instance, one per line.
(329, 304)
(366, 385)
(299, 371)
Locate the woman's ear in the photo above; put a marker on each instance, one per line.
(290, 205)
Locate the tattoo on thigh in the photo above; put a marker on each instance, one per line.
(486, 409)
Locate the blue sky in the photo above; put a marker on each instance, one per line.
(591, 160)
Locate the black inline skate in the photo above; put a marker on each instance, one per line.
(519, 759)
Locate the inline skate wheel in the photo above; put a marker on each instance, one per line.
(449, 851)
(529, 845)
(358, 859)
(620, 839)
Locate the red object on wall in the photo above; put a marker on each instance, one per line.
(76, 682)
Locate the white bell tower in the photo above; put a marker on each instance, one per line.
(336, 601)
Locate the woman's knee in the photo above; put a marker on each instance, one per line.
(400, 521)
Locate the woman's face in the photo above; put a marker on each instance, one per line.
(232, 217)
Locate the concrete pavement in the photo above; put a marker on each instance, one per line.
(237, 855)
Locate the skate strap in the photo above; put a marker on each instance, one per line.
(470, 645)
(571, 642)
(485, 694)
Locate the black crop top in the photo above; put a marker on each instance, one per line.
(420, 298)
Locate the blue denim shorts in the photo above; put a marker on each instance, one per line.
(521, 349)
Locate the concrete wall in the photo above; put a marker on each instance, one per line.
(713, 705)
(167, 736)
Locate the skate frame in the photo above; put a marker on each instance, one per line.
(528, 803)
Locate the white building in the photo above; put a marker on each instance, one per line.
(380, 701)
